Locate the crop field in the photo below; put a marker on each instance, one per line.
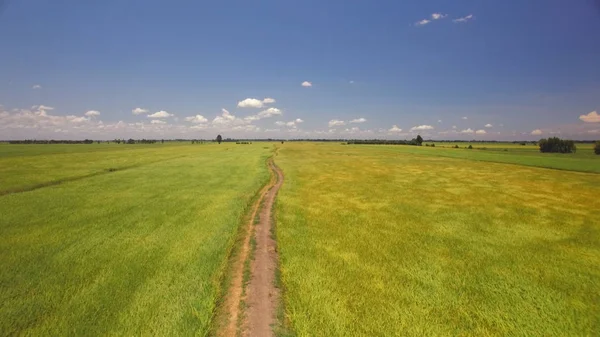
(372, 240)
(401, 240)
(117, 239)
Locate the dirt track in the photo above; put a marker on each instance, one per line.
(252, 312)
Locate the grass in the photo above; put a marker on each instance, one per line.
(584, 160)
(138, 251)
(399, 240)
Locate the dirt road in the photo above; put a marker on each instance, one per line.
(250, 308)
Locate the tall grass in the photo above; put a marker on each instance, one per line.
(133, 252)
(379, 241)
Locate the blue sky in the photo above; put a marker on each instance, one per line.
(444, 69)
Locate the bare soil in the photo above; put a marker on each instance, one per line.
(253, 312)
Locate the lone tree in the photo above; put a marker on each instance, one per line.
(597, 147)
(219, 139)
(419, 140)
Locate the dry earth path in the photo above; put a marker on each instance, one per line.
(249, 307)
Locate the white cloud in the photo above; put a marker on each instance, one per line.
(480, 132)
(467, 131)
(157, 121)
(489, 125)
(351, 82)
(454, 126)
(268, 100)
(160, 114)
(335, 122)
(422, 22)
(92, 113)
(421, 127)
(198, 119)
(439, 120)
(36, 86)
(358, 120)
(437, 16)
(227, 120)
(395, 128)
(250, 103)
(536, 132)
(306, 84)
(465, 117)
(270, 112)
(463, 19)
(298, 120)
(76, 119)
(139, 111)
(592, 117)
(280, 123)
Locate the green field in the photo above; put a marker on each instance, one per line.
(401, 240)
(373, 240)
(137, 251)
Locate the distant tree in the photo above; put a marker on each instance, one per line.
(282, 142)
(219, 139)
(131, 141)
(557, 145)
(433, 145)
(162, 141)
(470, 147)
(419, 140)
(597, 147)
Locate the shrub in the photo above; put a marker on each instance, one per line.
(597, 147)
(470, 147)
(557, 145)
(432, 145)
(455, 146)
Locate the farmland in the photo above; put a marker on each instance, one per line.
(107, 239)
(401, 240)
(139, 250)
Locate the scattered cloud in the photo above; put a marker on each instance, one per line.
(463, 19)
(467, 131)
(298, 120)
(335, 122)
(77, 119)
(139, 111)
(480, 132)
(198, 119)
(454, 126)
(92, 113)
(437, 16)
(489, 125)
(280, 123)
(536, 132)
(157, 121)
(306, 84)
(36, 86)
(439, 120)
(395, 128)
(268, 100)
(227, 119)
(270, 112)
(160, 114)
(421, 128)
(250, 103)
(464, 117)
(592, 117)
(358, 120)
(422, 22)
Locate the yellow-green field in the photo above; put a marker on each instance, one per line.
(401, 240)
(373, 240)
(137, 251)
